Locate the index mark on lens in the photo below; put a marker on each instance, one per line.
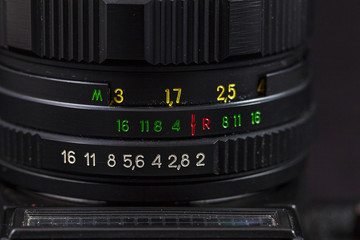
(193, 124)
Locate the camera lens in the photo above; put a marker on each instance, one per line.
(180, 100)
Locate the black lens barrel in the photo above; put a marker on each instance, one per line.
(88, 111)
(229, 100)
(155, 31)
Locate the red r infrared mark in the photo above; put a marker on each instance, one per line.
(206, 123)
(193, 124)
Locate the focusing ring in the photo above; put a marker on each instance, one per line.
(204, 157)
(286, 146)
(157, 31)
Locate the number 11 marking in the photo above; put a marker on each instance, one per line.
(90, 158)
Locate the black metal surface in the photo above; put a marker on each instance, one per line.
(156, 31)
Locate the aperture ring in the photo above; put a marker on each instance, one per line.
(202, 157)
(162, 89)
(157, 31)
(155, 123)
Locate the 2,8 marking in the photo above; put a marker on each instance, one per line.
(184, 162)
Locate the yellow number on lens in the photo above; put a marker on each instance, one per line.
(119, 98)
(168, 96)
(231, 93)
(221, 89)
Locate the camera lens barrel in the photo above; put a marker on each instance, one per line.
(123, 107)
(89, 111)
(179, 31)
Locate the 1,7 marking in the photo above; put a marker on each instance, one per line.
(168, 96)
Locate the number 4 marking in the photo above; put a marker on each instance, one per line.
(157, 161)
(176, 126)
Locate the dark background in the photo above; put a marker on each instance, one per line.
(334, 166)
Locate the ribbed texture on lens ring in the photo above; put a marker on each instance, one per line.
(20, 147)
(69, 30)
(236, 155)
(173, 31)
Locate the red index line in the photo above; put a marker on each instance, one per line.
(193, 124)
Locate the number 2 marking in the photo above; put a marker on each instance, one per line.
(201, 158)
(172, 158)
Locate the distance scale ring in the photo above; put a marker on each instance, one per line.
(138, 189)
(153, 123)
(226, 156)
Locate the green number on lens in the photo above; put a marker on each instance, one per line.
(123, 126)
(256, 117)
(237, 120)
(176, 126)
(225, 123)
(158, 126)
(144, 126)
